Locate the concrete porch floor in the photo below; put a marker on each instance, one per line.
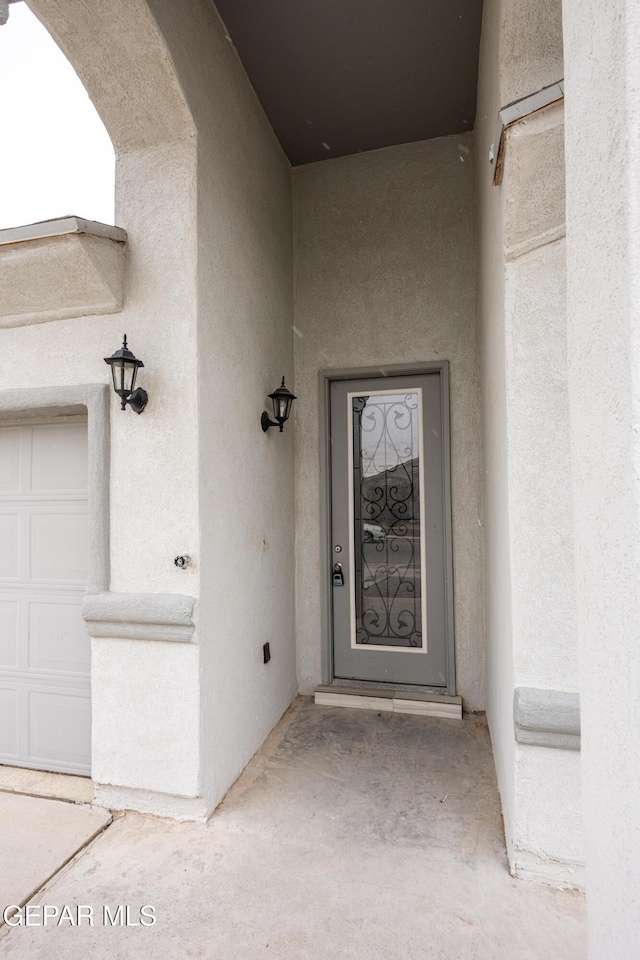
(337, 842)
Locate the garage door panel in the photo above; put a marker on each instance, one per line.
(10, 460)
(8, 722)
(45, 650)
(59, 459)
(60, 730)
(58, 639)
(59, 546)
(10, 553)
(8, 633)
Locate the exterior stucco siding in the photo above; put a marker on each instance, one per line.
(385, 273)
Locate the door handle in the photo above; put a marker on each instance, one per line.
(338, 576)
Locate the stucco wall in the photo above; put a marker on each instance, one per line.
(492, 346)
(530, 587)
(385, 273)
(244, 346)
(153, 499)
(528, 48)
(603, 274)
(204, 192)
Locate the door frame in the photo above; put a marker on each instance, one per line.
(325, 379)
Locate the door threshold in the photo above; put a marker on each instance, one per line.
(390, 701)
(410, 688)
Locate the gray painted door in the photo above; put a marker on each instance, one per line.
(390, 622)
(45, 692)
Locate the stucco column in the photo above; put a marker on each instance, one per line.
(602, 70)
(532, 658)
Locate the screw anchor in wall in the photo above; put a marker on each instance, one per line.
(182, 562)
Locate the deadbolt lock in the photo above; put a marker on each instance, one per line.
(338, 576)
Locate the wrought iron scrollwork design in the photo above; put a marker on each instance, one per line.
(387, 520)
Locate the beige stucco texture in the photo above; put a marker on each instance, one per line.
(545, 650)
(385, 273)
(530, 583)
(78, 275)
(203, 190)
(527, 48)
(534, 181)
(119, 53)
(244, 346)
(603, 336)
(541, 512)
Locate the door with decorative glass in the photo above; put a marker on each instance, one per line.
(390, 530)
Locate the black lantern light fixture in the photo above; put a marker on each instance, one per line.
(124, 370)
(282, 400)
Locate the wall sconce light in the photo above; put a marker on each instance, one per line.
(282, 400)
(124, 370)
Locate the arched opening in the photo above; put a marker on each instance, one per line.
(57, 157)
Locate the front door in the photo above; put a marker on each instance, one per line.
(390, 557)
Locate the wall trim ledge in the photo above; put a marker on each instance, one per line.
(140, 616)
(152, 802)
(547, 718)
(61, 269)
(518, 110)
(561, 874)
(60, 226)
(531, 244)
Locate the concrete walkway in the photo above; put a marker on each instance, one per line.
(350, 836)
(36, 838)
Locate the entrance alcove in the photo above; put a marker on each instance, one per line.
(243, 265)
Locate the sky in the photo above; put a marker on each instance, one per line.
(56, 157)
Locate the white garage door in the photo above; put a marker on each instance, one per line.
(45, 652)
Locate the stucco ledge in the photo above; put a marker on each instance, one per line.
(547, 718)
(140, 616)
(59, 269)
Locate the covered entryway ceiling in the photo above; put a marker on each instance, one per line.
(338, 77)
